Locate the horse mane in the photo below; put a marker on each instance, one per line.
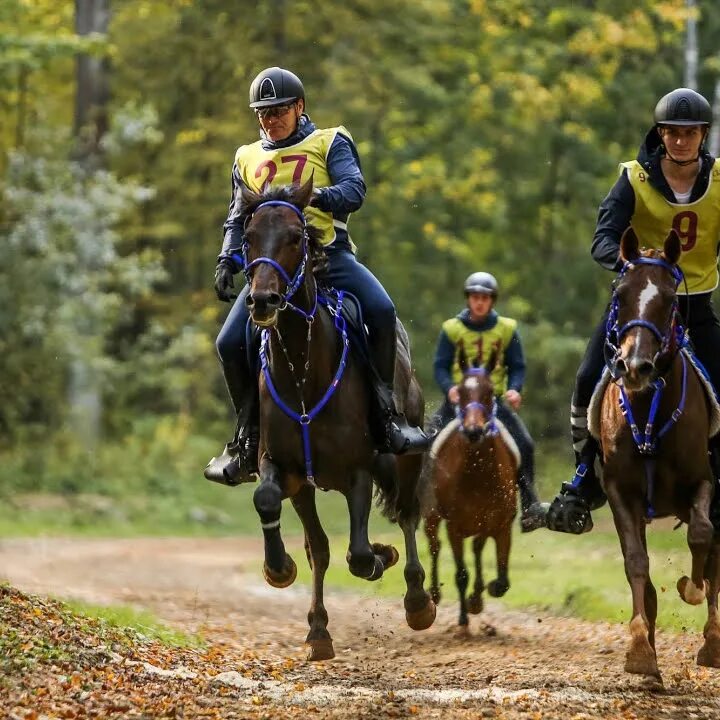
(288, 194)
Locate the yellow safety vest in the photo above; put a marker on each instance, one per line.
(260, 168)
(479, 344)
(697, 224)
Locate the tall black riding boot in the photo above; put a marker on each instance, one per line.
(394, 433)
(532, 511)
(238, 462)
(570, 510)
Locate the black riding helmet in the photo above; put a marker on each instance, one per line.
(275, 86)
(481, 282)
(683, 107)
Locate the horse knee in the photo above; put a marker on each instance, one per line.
(268, 501)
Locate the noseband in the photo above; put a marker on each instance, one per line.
(489, 428)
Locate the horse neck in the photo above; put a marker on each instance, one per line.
(293, 328)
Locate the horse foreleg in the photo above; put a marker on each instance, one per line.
(475, 601)
(461, 573)
(700, 537)
(361, 559)
(709, 654)
(316, 542)
(432, 526)
(501, 584)
(279, 568)
(630, 524)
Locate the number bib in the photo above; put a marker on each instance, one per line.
(697, 224)
(260, 169)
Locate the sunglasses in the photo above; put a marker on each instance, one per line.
(273, 112)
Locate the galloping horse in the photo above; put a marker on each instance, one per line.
(314, 412)
(470, 482)
(654, 423)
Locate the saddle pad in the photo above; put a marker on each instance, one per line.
(593, 414)
(453, 425)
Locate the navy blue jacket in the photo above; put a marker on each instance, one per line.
(345, 195)
(617, 209)
(513, 358)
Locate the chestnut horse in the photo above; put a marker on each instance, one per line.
(654, 424)
(470, 483)
(314, 414)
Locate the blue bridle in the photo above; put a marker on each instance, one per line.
(305, 417)
(647, 441)
(489, 429)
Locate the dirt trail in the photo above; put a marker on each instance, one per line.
(528, 666)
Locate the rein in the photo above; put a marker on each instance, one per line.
(305, 416)
(647, 441)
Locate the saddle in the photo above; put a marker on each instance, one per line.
(453, 425)
(593, 414)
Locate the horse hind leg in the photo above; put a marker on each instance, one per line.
(709, 654)
(432, 527)
(279, 568)
(700, 537)
(475, 600)
(365, 560)
(319, 641)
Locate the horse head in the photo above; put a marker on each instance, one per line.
(477, 397)
(279, 248)
(643, 310)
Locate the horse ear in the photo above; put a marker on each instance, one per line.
(462, 358)
(673, 247)
(303, 194)
(492, 361)
(247, 198)
(629, 246)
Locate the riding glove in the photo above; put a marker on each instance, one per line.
(224, 280)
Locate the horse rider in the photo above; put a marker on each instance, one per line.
(291, 149)
(673, 183)
(480, 331)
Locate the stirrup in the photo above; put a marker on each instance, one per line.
(401, 438)
(233, 467)
(569, 514)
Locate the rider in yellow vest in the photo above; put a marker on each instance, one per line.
(479, 330)
(292, 150)
(673, 183)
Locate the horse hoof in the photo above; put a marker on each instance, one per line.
(475, 604)
(497, 589)
(282, 579)
(320, 649)
(387, 553)
(709, 654)
(435, 595)
(422, 619)
(690, 593)
(462, 632)
(642, 663)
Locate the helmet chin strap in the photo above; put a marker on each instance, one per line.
(682, 163)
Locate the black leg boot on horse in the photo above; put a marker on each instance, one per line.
(570, 510)
(394, 433)
(238, 462)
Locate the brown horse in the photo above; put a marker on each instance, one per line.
(314, 412)
(470, 483)
(654, 425)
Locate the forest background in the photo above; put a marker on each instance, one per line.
(489, 131)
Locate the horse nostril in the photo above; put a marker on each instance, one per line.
(645, 368)
(274, 300)
(249, 301)
(621, 367)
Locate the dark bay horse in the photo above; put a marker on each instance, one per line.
(314, 410)
(470, 483)
(654, 425)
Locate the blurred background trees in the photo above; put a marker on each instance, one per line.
(489, 131)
